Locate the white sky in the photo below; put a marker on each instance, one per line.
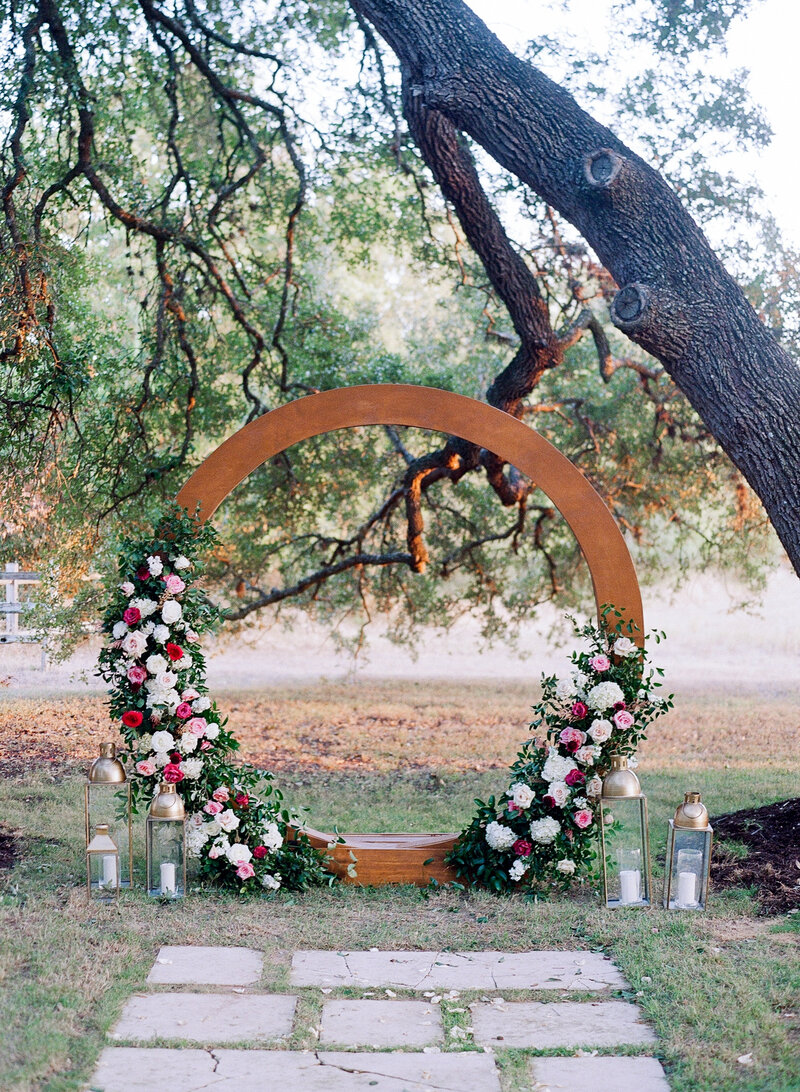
(766, 43)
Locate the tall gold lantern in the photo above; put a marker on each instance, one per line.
(166, 845)
(688, 864)
(624, 847)
(102, 866)
(107, 801)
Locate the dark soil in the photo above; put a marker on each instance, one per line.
(8, 845)
(772, 863)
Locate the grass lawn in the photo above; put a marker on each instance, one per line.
(715, 986)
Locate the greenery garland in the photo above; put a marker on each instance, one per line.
(543, 832)
(153, 663)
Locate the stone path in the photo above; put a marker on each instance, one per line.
(431, 1041)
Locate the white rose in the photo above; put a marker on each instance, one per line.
(155, 565)
(228, 821)
(499, 836)
(565, 689)
(271, 836)
(601, 730)
(201, 704)
(239, 854)
(604, 695)
(212, 828)
(188, 743)
(587, 755)
(119, 630)
(579, 680)
(566, 866)
(156, 663)
(166, 679)
(624, 646)
(134, 644)
(594, 787)
(559, 790)
(522, 795)
(272, 883)
(212, 731)
(127, 588)
(181, 563)
(161, 634)
(184, 662)
(163, 741)
(148, 628)
(171, 612)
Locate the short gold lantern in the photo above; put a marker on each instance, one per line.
(624, 838)
(688, 863)
(107, 799)
(166, 845)
(102, 866)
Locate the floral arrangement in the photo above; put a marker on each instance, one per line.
(542, 832)
(153, 663)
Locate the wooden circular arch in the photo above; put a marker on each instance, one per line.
(416, 858)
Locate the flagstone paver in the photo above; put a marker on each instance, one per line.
(197, 965)
(207, 1017)
(381, 1023)
(562, 1024)
(578, 1074)
(457, 970)
(140, 1069)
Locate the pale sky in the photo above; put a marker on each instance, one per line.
(766, 42)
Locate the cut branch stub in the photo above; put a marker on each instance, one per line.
(629, 306)
(602, 167)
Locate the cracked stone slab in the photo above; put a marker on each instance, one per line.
(206, 1017)
(381, 1023)
(562, 1024)
(543, 970)
(140, 1069)
(197, 965)
(578, 1074)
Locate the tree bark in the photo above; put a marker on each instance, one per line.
(676, 299)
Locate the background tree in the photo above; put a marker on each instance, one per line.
(207, 213)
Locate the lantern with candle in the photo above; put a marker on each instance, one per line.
(688, 862)
(102, 865)
(166, 845)
(624, 837)
(107, 800)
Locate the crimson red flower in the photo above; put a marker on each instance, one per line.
(174, 651)
(548, 801)
(579, 710)
(131, 615)
(619, 705)
(260, 852)
(143, 573)
(573, 746)
(172, 774)
(184, 710)
(175, 756)
(575, 777)
(242, 799)
(132, 718)
(522, 847)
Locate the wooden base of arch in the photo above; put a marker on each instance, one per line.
(401, 858)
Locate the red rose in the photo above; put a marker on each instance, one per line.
(175, 756)
(184, 710)
(573, 746)
(132, 719)
(522, 847)
(174, 651)
(242, 799)
(260, 852)
(172, 774)
(579, 710)
(143, 573)
(575, 777)
(131, 615)
(549, 802)
(619, 705)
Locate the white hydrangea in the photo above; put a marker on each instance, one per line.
(580, 802)
(155, 565)
(145, 606)
(271, 836)
(604, 695)
(633, 762)
(557, 767)
(119, 631)
(160, 758)
(184, 662)
(192, 767)
(171, 612)
(521, 794)
(181, 562)
(239, 854)
(212, 731)
(272, 883)
(228, 820)
(566, 866)
(499, 836)
(518, 870)
(559, 790)
(199, 705)
(163, 741)
(544, 831)
(196, 839)
(624, 646)
(219, 849)
(565, 689)
(161, 634)
(148, 628)
(601, 730)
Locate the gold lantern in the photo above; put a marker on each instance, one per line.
(688, 864)
(102, 866)
(624, 845)
(107, 800)
(166, 845)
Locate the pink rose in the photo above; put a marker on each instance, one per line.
(190, 694)
(214, 852)
(583, 819)
(127, 588)
(184, 710)
(222, 795)
(197, 725)
(623, 719)
(245, 871)
(131, 616)
(572, 736)
(522, 847)
(136, 674)
(205, 745)
(191, 635)
(174, 584)
(212, 807)
(600, 662)
(579, 710)
(172, 773)
(146, 768)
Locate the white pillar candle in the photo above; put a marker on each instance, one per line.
(109, 870)
(630, 885)
(168, 878)
(687, 888)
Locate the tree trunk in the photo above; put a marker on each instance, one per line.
(676, 300)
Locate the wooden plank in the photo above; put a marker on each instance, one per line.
(8, 576)
(387, 858)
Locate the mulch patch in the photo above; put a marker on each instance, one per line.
(8, 847)
(772, 864)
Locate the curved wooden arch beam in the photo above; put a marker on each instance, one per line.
(610, 564)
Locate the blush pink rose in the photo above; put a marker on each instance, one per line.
(197, 725)
(579, 710)
(245, 871)
(205, 745)
(212, 807)
(174, 584)
(214, 852)
(600, 662)
(583, 819)
(184, 710)
(190, 694)
(136, 675)
(572, 735)
(222, 795)
(146, 768)
(623, 719)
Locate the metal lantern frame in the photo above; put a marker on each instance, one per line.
(107, 775)
(691, 818)
(167, 808)
(102, 845)
(622, 784)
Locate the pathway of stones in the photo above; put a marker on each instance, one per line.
(227, 1035)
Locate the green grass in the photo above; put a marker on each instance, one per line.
(719, 983)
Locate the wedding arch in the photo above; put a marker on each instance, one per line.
(418, 858)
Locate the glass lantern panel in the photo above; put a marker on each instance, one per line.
(165, 859)
(688, 886)
(626, 865)
(109, 803)
(103, 873)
